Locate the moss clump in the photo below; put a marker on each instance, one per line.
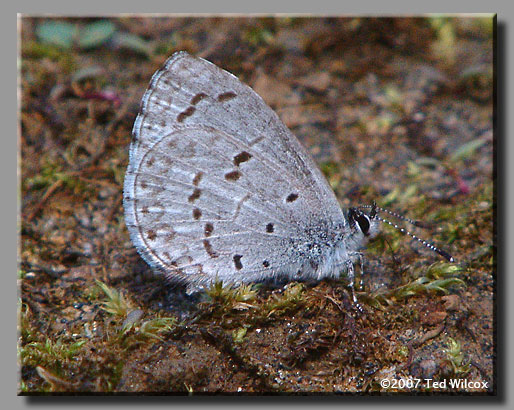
(455, 358)
(289, 301)
(50, 359)
(223, 299)
(116, 304)
(437, 278)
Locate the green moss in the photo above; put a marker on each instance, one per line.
(437, 278)
(468, 150)
(36, 50)
(400, 196)
(443, 270)
(93, 293)
(51, 172)
(403, 352)
(142, 333)
(258, 36)
(423, 285)
(133, 331)
(332, 171)
(50, 354)
(377, 300)
(289, 301)
(168, 45)
(444, 47)
(116, 304)
(239, 334)
(155, 328)
(455, 357)
(225, 298)
(26, 331)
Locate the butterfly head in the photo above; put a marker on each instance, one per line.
(364, 223)
(367, 225)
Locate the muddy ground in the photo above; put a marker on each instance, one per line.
(394, 110)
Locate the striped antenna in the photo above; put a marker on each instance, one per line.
(418, 224)
(430, 246)
(423, 242)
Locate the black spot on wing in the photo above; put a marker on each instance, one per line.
(151, 235)
(233, 175)
(208, 228)
(197, 178)
(187, 113)
(242, 157)
(208, 248)
(237, 262)
(195, 195)
(292, 197)
(197, 214)
(226, 96)
(197, 98)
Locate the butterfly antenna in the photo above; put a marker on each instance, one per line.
(422, 241)
(418, 224)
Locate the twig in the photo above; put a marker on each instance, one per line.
(115, 207)
(49, 192)
(429, 335)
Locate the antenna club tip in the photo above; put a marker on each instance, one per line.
(446, 255)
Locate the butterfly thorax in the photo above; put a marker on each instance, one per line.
(330, 248)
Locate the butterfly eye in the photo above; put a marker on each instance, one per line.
(357, 216)
(363, 222)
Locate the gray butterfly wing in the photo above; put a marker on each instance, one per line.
(217, 186)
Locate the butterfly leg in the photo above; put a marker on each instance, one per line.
(361, 264)
(350, 271)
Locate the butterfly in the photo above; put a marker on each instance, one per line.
(218, 188)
